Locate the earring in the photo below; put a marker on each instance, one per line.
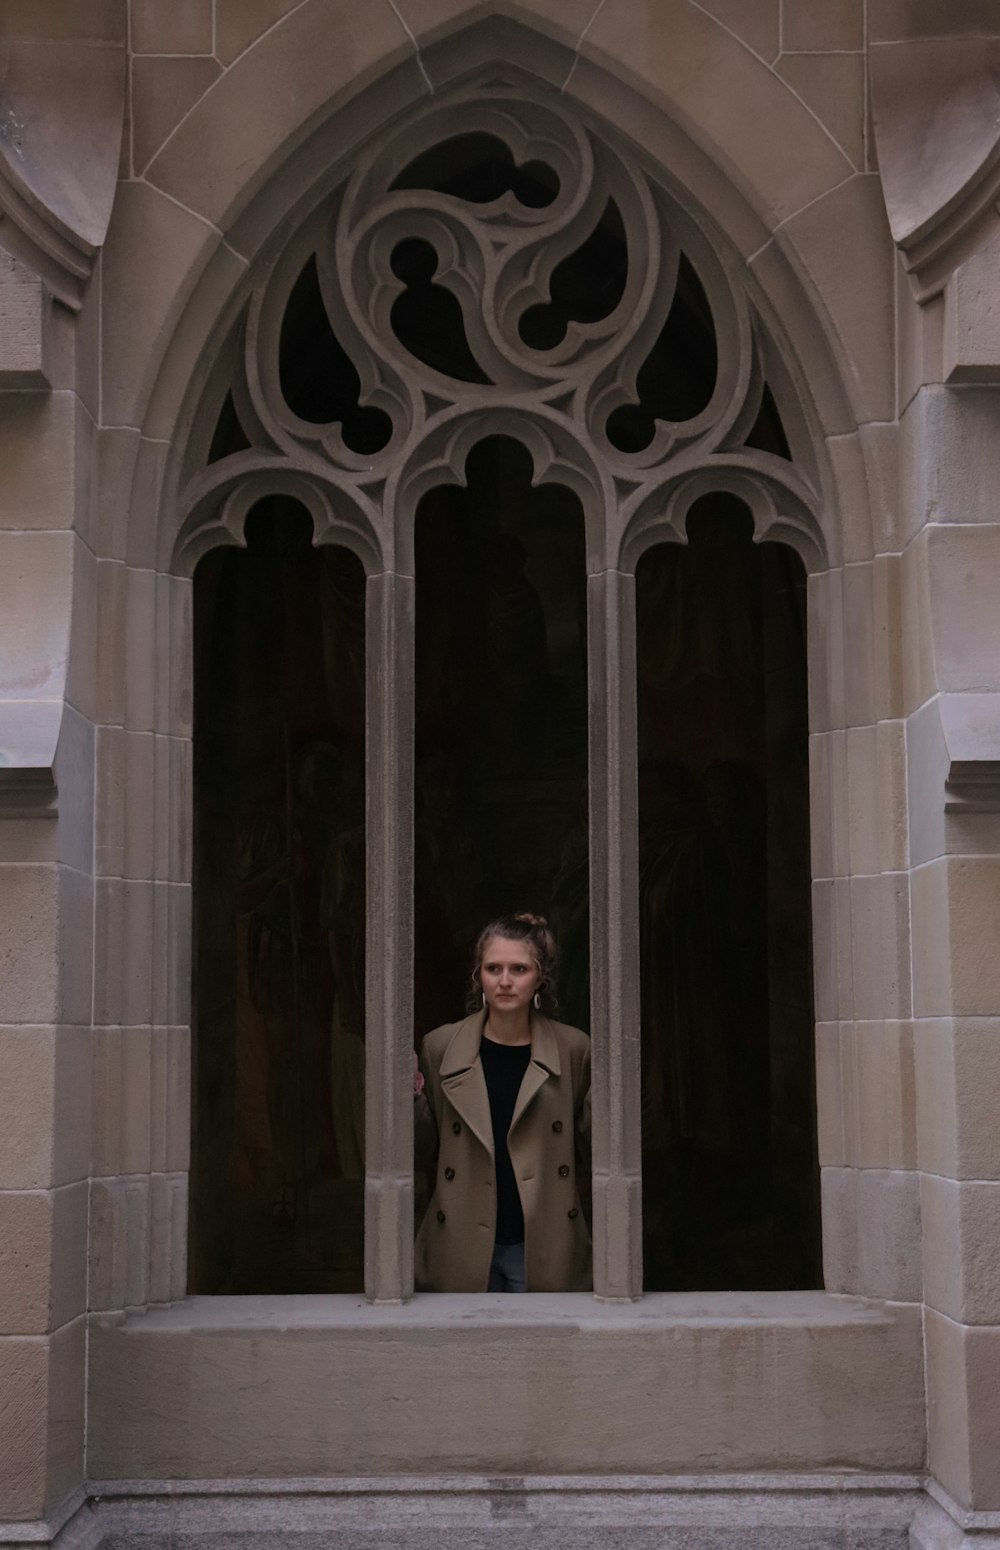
(484, 1001)
(538, 1001)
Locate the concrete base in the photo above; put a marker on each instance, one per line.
(941, 1524)
(794, 1512)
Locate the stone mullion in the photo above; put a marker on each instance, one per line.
(389, 956)
(614, 937)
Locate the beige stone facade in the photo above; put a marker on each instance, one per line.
(837, 164)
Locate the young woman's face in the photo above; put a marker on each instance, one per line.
(509, 974)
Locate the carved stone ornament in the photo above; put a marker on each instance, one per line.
(475, 215)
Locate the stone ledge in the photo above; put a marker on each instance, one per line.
(675, 1384)
(831, 1511)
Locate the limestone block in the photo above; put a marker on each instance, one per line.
(25, 321)
(887, 625)
(164, 90)
(864, 825)
(43, 1258)
(74, 777)
(124, 952)
(919, 680)
(843, 243)
(829, 1097)
(833, 86)
(822, 24)
(889, 1243)
(963, 570)
(900, 20)
(119, 1243)
(832, 955)
(961, 1228)
(828, 804)
(949, 439)
(757, 22)
(312, 57)
(750, 118)
(890, 781)
(172, 953)
(45, 945)
(238, 23)
(958, 1096)
(886, 1096)
(41, 1421)
(45, 1079)
(852, 500)
(841, 1245)
(827, 665)
(972, 318)
(565, 20)
(927, 765)
(174, 798)
(170, 1100)
(168, 1237)
(955, 905)
(122, 1099)
(673, 1384)
(36, 573)
(152, 244)
(185, 27)
(963, 1410)
(112, 649)
(880, 935)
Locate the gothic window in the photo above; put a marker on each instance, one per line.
(523, 384)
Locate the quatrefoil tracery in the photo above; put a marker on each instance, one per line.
(496, 267)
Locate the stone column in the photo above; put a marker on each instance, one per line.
(47, 587)
(614, 937)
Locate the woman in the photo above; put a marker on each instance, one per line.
(502, 1105)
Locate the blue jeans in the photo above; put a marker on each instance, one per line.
(507, 1269)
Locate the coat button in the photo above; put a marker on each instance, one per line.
(557, 1126)
(456, 1127)
(564, 1170)
(572, 1213)
(440, 1216)
(449, 1174)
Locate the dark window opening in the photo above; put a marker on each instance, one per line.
(427, 318)
(277, 1168)
(480, 169)
(677, 379)
(730, 1174)
(319, 381)
(501, 725)
(585, 287)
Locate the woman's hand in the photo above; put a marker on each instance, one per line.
(418, 1080)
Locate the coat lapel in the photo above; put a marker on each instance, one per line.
(463, 1081)
(543, 1064)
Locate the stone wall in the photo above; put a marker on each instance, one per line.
(155, 160)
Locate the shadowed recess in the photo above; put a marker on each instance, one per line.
(229, 435)
(585, 287)
(318, 379)
(768, 433)
(677, 379)
(480, 169)
(277, 1161)
(730, 1178)
(427, 319)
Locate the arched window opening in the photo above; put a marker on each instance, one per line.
(730, 1175)
(501, 725)
(279, 881)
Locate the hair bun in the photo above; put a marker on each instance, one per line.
(531, 920)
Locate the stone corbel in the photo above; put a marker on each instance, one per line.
(62, 110)
(29, 738)
(936, 115)
(971, 727)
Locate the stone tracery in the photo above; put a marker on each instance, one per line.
(439, 296)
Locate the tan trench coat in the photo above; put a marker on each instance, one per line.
(549, 1138)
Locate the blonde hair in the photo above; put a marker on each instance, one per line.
(521, 926)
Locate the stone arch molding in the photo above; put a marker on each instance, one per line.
(496, 260)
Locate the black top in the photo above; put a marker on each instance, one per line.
(503, 1067)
